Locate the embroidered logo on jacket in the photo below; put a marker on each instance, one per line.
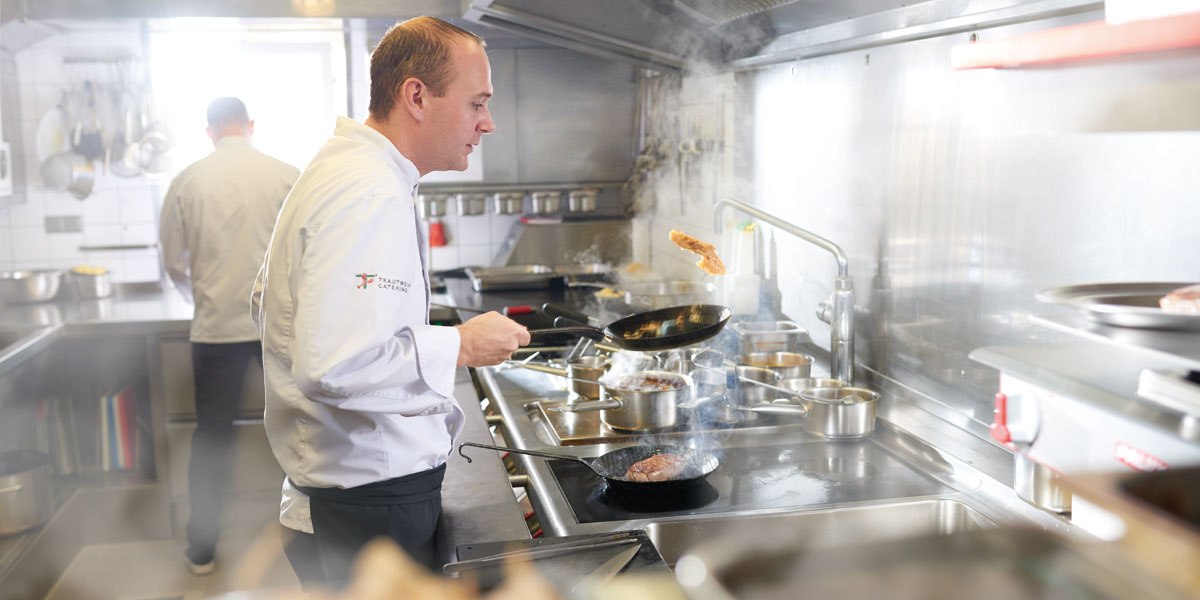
(382, 282)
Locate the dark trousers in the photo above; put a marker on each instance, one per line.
(219, 371)
(406, 509)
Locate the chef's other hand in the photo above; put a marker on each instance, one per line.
(489, 339)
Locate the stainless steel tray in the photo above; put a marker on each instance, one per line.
(1133, 304)
(532, 277)
(522, 277)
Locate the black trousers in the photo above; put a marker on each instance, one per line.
(406, 509)
(219, 371)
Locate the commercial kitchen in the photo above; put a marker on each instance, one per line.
(936, 364)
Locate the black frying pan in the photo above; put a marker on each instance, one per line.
(613, 465)
(661, 329)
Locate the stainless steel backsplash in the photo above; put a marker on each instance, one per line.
(958, 194)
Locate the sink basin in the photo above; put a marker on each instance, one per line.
(824, 527)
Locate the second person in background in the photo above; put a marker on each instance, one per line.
(216, 222)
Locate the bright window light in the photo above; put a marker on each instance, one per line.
(290, 73)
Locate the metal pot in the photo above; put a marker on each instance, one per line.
(628, 405)
(753, 394)
(70, 172)
(584, 371)
(544, 203)
(807, 383)
(581, 201)
(30, 286)
(92, 285)
(836, 413)
(789, 365)
(471, 204)
(25, 499)
(508, 203)
(432, 205)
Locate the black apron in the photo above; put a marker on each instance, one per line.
(405, 509)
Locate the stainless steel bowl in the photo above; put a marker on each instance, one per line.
(39, 285)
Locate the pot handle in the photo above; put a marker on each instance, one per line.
(519, 451)
(532, 366)
(777, 409)
(588, 406)
(11, 488)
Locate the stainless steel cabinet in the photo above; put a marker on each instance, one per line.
(179, 385)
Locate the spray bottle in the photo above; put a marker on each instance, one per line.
(742, 284)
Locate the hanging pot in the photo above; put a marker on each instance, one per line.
(70, 172)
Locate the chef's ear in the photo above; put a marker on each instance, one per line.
(412, 97)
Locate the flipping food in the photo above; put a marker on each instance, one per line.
(709, 261)
(660, 467)
(1185, 300)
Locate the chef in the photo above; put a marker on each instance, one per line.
(360, 410)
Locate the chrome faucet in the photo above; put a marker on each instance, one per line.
(841, 317)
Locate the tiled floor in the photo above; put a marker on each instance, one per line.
(248, 560)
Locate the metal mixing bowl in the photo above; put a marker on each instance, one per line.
(38, 285)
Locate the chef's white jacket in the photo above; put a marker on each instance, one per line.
(216, 223)
(359, 385)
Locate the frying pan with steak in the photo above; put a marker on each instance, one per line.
(613, 465)
(661, 329)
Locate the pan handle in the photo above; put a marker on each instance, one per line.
(587, 406)
(520, 451)
(777, 409)
(558, 310)
(532, 366)
(592, 332)
(785, 391)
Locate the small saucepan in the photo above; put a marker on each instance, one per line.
(613, 466)
(836, 413)
(643, 402)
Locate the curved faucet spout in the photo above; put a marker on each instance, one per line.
(841, 323)
(804, 234)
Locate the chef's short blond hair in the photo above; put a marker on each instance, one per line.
(418, 48)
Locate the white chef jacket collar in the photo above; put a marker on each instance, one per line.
(354, 130)
(232, 141)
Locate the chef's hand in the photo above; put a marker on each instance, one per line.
(489, 339)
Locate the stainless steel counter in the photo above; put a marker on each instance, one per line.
(478, 502)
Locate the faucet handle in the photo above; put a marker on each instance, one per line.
(825, 311)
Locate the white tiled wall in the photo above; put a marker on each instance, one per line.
(124, 211)
(119, 211)
(471, 240)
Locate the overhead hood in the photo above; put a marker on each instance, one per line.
(663, 35)
(668, 34)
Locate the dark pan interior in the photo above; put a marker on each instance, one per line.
(669, 327)
(613, 465)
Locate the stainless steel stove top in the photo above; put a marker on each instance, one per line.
(584, 428)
